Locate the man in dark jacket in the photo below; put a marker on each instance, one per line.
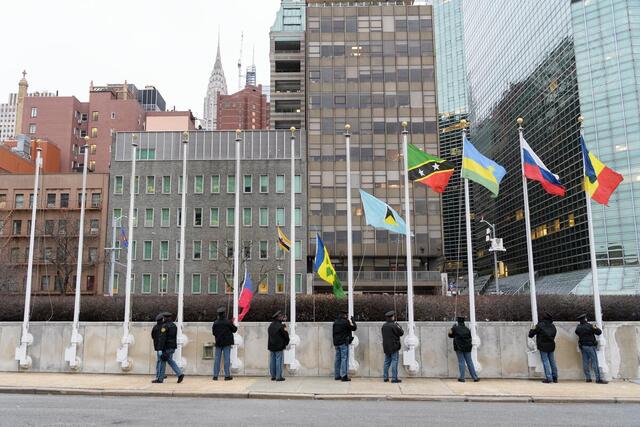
(342, 337)
(278, 341)
(223, 330)
(588, 344)
(169, 343)
(462, 345)
(545, 333)
(158, 342)
(391, 333)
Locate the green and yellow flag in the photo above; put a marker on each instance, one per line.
(325, 269)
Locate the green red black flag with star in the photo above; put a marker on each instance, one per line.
(429, 170)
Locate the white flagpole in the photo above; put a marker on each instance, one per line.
(27, 339)
(236, 364)
(294, 339)
(127, 339)
(353, 363)
(527, 222)
(411, 340)
(182, 339)
(475, 339)
(602, 342)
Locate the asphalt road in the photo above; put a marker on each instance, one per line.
(34, 410)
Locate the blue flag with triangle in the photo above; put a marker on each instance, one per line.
(380, 215)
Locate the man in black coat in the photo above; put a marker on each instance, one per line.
(545, 333)
(391, 333)
(342, 337)
(168, 343)
(462, 344)
(158, 342)
(588, 344)
(223, 330)
(278, 341)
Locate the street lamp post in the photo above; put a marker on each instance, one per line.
(496, 246)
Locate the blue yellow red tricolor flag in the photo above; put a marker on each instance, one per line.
(599, 180)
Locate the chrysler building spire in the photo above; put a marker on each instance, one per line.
(217, 85)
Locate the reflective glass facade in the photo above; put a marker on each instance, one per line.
(371, 66)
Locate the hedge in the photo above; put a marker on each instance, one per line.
(321, 308)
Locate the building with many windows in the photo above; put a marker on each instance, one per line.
(265, 186)
(246, 109)
(370, 65)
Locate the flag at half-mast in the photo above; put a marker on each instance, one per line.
(428, 170)
(246, 295)
(480, 169)
(599, 180)
(380, 215)
(124, 242)
(323, 267)
(283, 241)
(535, 169)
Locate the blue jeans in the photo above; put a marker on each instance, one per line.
(590, 359)
(549, 365)
(276, 359)
(466, 357)
(158, 363)
(391, 360)
(341, 365)
(163, 365)
(227, 361)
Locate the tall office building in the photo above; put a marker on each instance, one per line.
(371, 65)
(582, 62)
(217, 86)
(151, 99)
(287, 58)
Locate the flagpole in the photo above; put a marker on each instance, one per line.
(411, 340)
(353, 363)
(181, 338)
(527, 222)
(475, 339)
(294, 339)
(602, 342)
(236, 364)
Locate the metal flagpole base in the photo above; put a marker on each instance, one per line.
(409, 355)
(71, 352)
(353, 362)
(293, 365)
(123, 353)
(602, 359)
(24, 360)
(533, 356)
(236, 363)
(182, 340)
(475, 342)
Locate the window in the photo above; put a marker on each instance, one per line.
(136, 185)
(231, 184)
(115, 283)
(263, 287)
(229, 248)
(198, 184)
(298, 249)
(298, 283)
(196, 285)
(113, 115)
(230, 217)
(48, 227)
(146, 283)
(298, 184)
(19, 201)
(148, 217)
(166, 185)
(95, 115)
(165, 215)
(51, 200)
(94, 226)
(34, 112)
(298, 213)
(247, 183)
(44, 280)
(279, 183)
(279, 283)
(64, 200)
(280, 217)
(17, 227)
(146, 154)
(164, 250)
(117, 216)
(177, 252)
(3, 200)
(80, 200)
(279, 251)
(246, 249)
(212, 288)
(177, 281)
(118, 185)
(264, 217)
(197, 217)
(213, 250)
(147, 250)
(163, 283)
(94, 132)
(62, 226)
(151, 185)
(133, 247)
(215, 184)
(96, 199)
(264, 249)
(214, 219)
(197, 249)
(180, 184)
(264, 183)
(32, 128)
(246, 217)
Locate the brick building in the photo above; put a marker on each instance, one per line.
(18, 155)
(157, 121)
(247, 109)
(56, 237)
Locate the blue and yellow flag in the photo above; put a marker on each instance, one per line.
(324, 268)
(380, 215)
(480, 169)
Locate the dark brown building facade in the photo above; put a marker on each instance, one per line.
(247, 109)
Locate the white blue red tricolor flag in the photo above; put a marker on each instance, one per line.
(535, 169)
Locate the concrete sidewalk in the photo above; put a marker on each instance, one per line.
(414, 389)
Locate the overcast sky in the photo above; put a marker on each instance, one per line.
(171, 44)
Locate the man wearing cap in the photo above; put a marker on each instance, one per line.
(391, 333)
(588, 344)
(545, 333)
(158, 338)
(278, 341)
(223, 330)
(342, 337)
(462, 344)
(169, 341)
